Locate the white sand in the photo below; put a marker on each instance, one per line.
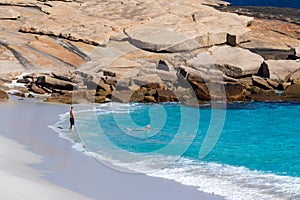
(20, 181)
(36, 164)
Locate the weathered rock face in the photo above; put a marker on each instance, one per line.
(280, 70)
(8, 14)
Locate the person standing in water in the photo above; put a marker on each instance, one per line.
(72, 118)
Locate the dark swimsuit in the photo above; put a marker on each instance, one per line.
(72, 121)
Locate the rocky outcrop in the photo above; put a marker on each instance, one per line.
(95, 22)
(141, 51)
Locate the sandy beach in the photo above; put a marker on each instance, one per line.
(37, 164)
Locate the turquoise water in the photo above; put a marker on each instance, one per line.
(260, 136)
(241, 151)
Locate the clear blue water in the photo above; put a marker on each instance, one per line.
(273, 3)
(246, 151)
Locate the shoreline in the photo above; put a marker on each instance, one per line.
(66, 168)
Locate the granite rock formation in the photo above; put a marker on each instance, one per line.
(191, 51)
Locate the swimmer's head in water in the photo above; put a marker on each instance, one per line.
(148, 127)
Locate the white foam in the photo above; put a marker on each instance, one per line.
(14, 82)
(235, 183)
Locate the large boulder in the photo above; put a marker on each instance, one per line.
(292, 93)
(3, 95)
(258, 94)
(34, 88)
(218, 91)
(122, 96)
(165, 96)
(75, 97)
(203, 74)
(297, 51)
(295, 76)
(147, 79)
(165, 76)
(261, 83)
(280, 70)
(47, 81)
(201, 91)
(137, 97)
(235, 62)
(235, 92)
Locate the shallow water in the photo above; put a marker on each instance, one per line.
(247, 151)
